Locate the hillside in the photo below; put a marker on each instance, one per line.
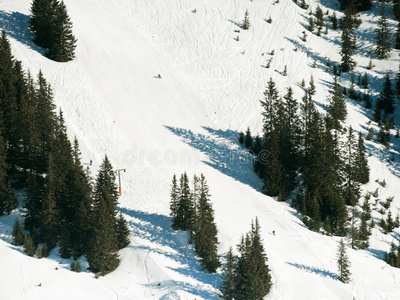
(189, 121)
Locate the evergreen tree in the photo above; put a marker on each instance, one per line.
(64, 42)
(227, 287)
(319, 19)
(361, 162)
(311, 89)
(29, 246)
(337, 106)
(52, 29)
(102, 253)
(7, 199)
(397, 35)
(364, 81)
(246, 21)
(348, 38)
(173, 204)
(334, 21)
(364, 5)
(78, 267)
(185, 216)
(398, 83)
(252, 275)
(241, 138)
(273, 183)
(257, 146)
(18, 233)
(351, 188)
(122, 231)
(248, 140)
(206, 241)
(343, 263)
(382, 37)
(386, 98)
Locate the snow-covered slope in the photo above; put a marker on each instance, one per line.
(187, 121)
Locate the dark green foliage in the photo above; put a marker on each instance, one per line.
(312, 89)
(348, 39)
(185, 212)
(319, 19)
(52, 29)
(397, 35)
(73, 266)
(398, 83)
(393, 256)
(29, 245)
(334, 21)
(7, 199)
(363, 5)
(227, 287)
(352, 167)
(382, 37)
(361, 162)
(206, 241)
(311, 24)
(102, 255)
(45, 250)
(241, 138)
(257, 146)
(18, 233)
(386, 98)
(377, 113)
(252, 275)
(173, 204)
(122, 231)
(337, 106)
(364, 81)
(343, 263)
(248, 140)
(246, 21)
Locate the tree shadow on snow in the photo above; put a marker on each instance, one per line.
(173, 245)
(17, 26)
(223, 153)
(320, 272)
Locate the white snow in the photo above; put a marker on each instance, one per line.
(189, 121)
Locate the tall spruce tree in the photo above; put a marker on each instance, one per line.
(382, 37)
(343, 263)
(18, 233)
(361, 162)
(64, 42)
(52, 29)
(337, 106)
(348, 39)
(7, 199)
(252, 275)
(122, 231)
(386, 98)
(206, 240)
(185, 216)
(227, 287)
(174, 202)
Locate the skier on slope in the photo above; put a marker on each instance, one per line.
(159, 76)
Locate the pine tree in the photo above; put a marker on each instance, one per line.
(397, 35)
(29, 246)
(18, 233)
(7, 199)
(173, 204)
(64, 42)
(206, 241)
(102, 253)
(312, 89)
(351, 188)
(343, 263)
(348, 39)
(334, 21)
(78, 267)
(319, 19)
(361, 162)
(227, 287)
(382, 37)
(337, 106)
(246, 21)
(386, 98)
(52, 29)
(363, 5)
(122, 231)
(248, 139)
(185, 216)
(241, 138)
(252, 275)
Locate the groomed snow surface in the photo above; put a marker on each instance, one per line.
(189, 121)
